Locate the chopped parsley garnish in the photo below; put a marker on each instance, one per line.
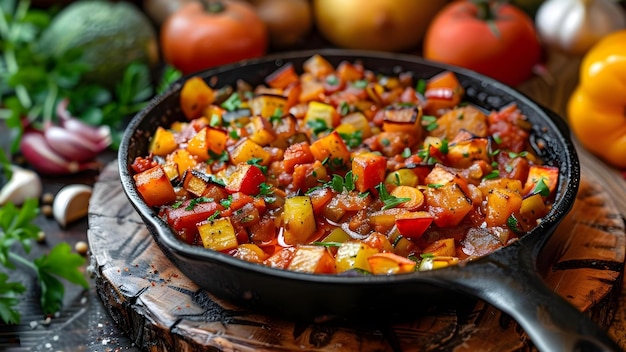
(429, 122)
(406, 153)
(214, 179)
(234, 135)
(332, 80)
(352, 140)
(215, 120)
(257, 162)
(389, 200)
(318, 125)
(493, 174)
(265, 189)
(226, 202)
(514, 155)
(177, 204)
(339, 184)
(360, 84)
(420, 87)
(213, 156)
(197, 201)
(214, 216)
(541, 188)
(514, 224)
(232, 103)
(344, 108)
(443, 148)
(496, 138)
(276, 116)
(435, 185)
(327, 244)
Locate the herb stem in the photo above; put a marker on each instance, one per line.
(21, 260)
(50, 102)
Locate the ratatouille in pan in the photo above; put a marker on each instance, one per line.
(340, 169)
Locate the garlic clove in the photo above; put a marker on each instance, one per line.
(24, 184)
(71, 203)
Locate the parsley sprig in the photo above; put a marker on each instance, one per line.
(16, 226)
(33, 83)
(389, 200)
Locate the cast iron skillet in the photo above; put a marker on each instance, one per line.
(506, 278)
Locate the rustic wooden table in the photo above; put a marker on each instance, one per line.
(85, 323)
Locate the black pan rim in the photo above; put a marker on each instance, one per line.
(174, 247)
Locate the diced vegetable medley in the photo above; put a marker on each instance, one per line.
(342, 169)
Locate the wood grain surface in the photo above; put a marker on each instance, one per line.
(162, 309)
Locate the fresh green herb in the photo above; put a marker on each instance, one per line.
(266, 189)
(444, 147)
(16, 226)
(362, 83)
(514, 155)
(496, 138)
(332, 80)
(387, 199)
(217, 181)
(420, 87)
(339, 184)
(406, 152)
(234, 135)
(177, 204)
(197, 201)
(318, 125)
(435, 185)
(493, 174)
(215, 120)
(514, 224)
(232, 103)
(424, 154)
(222, 157)
(385, 142)
(344, 108)
(214, 216)
(226, 202)
(257, 162)
(5, 165)
(353, 139)
(32, 83)
(429, 122)
(327, 244)
(169, 76)
(541, 187)
(277, 116)
(427, 255)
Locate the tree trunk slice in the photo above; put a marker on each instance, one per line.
(159, 308)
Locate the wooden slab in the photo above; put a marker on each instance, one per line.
(161, 309)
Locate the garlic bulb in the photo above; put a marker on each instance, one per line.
(574, 26)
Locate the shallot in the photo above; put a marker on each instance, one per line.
(65, 148)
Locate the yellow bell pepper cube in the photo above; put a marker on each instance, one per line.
(218, 235)
(298, 219)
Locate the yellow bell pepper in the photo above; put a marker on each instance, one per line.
(597, 108)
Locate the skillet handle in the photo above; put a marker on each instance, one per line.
(552, 323)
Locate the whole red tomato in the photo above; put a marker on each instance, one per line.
(495, 39)
(205, 34)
